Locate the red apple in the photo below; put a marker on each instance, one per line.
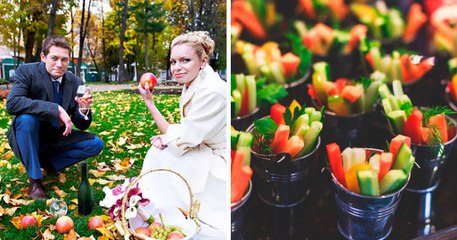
(148, 78)
(175, 235)
(64, 224)
(28, 221)
(143, 230)
(95, 222)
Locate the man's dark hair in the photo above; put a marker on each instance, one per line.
(54, 40)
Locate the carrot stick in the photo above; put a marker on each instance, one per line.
(279, 141)
(241, 183)
(440, 123)
(237, 164)
(243, 14)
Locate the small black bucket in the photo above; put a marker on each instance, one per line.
(430, 160)
(281, 181)
(238, 212)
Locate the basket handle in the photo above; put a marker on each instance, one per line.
(194, 205)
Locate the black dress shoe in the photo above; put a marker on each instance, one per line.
(36, 189)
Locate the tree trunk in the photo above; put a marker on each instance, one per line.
(192, 15)
(52, 17)
(121, 38)
(81, 40)
(146, 50)
(105, 67)
(29, 41)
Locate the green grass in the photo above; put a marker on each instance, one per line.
(123, 122)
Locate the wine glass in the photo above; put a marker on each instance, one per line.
(84, 93)
(58, 208)
(81, 90)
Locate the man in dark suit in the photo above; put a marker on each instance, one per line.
(44, 102)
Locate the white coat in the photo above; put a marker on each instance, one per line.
(197, 149)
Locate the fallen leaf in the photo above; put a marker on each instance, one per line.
(16, 221)
(59, 192)
(48, 234)
(97, 173)
(2, 227)
(11, 211)
(72, 207)
(72, 235)
(105, 232)
(116, 177)
(73, 189)
(134, 146)
(138, 134)
(121, 141)
(103, 167)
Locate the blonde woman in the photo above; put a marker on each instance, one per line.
(195, 147)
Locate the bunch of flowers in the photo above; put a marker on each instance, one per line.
(113, 200)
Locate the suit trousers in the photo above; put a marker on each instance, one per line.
(34, 154)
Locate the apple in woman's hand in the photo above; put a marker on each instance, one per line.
(64, 224)
(148, 78)
(95, 222)
(27, 221)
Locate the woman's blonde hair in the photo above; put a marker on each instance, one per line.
(200, 41)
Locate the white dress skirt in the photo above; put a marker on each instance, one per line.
(167, 188)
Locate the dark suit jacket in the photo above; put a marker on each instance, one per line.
(33, 93)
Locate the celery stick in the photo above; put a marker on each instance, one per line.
(397, 88)
(384, 91)
(358, 155)
(347, 159)
(315, 116)
(398, 119)
(376, 56)
(394, 103)
(323, 69)
(252, 93)
(301, 120)
(301, 130)
(276, 70)
(404, 99)
(310, 110)
(371, 95)
(386, 67)
(386, 105)
(249, 60)
(396, 67)
(378, 27)
(240, 83)
(301, 28)
(395, 24)
(362, 99)
(236, 95)
(266, 72)
(310, 138)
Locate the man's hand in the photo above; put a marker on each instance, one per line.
(84, 103)
(156, 141)
(64, 119)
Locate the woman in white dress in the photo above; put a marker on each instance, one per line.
(195, 147)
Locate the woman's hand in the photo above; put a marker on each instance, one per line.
(156, 141)
(145, 92)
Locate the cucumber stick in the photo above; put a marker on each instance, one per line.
(310, 138)
(236, 96)
(394, 179)
(368, 182)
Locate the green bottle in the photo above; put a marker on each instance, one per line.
(86, 194)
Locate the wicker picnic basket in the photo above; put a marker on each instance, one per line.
(191, 213)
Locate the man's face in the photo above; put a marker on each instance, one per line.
(56, 61)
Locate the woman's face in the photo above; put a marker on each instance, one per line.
(185, 64)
